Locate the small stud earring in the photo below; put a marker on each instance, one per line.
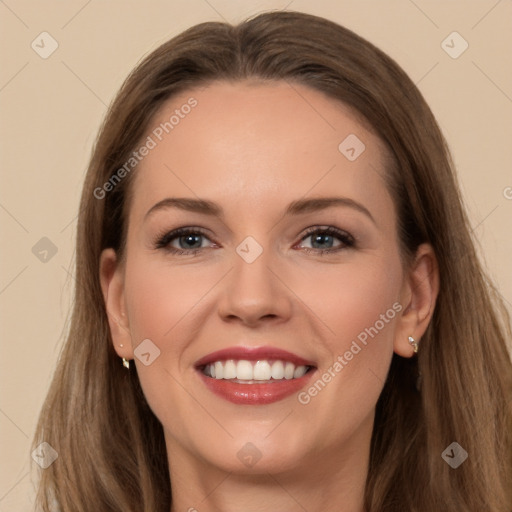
(414, 344)
(126, 363)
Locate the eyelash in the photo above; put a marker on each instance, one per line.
(346, 239)
(163, 241)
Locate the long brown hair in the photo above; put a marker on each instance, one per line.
(111, 447)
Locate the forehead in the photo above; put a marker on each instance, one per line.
(258, 144)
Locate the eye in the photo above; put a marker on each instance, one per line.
(190, 240)
(323, 240)
(187, 241)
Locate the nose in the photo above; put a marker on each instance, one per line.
(255, 293)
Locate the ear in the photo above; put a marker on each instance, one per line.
(418, 298)
(112, 286)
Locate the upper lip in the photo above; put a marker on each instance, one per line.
(253, 354)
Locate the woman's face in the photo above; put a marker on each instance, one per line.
(288, 262)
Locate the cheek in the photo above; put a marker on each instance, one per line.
(360, 306)
(163, 304)
(162, 298)
(351, 298)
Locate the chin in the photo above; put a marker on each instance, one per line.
(252, 455)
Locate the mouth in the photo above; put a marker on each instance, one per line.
(254, 376)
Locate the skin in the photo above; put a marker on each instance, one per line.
(253, 148)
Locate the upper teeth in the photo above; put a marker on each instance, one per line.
(254, 370)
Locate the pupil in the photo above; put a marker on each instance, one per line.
(189, 239)
(321, 239)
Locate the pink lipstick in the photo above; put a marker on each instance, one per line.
(254, 376)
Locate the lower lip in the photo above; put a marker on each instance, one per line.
(255, 394)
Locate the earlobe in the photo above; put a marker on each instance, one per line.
(112, 286)
(419, 295)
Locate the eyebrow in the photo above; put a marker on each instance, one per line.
(298, 207)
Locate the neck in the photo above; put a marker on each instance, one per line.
(332, 480)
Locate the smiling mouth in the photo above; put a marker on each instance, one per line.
(254, 372)
(254, 375)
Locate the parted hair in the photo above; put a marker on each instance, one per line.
(111, 447)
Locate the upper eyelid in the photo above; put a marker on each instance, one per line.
(332, 231)
(182, 231)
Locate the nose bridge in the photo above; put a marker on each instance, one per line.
(251, 274)
(251, 264)
(253, 291)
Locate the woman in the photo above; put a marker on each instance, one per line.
(278, 301)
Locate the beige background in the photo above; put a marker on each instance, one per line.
(52, 108)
